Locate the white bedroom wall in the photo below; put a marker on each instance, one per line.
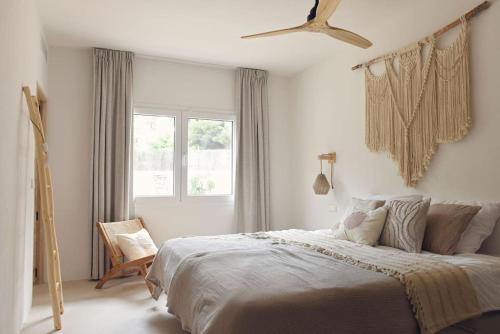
(156, 83)
(22, 62)
(161, 83)
(69, 131)
(282, 159)
(328, 116)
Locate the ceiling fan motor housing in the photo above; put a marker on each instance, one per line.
(312, 13)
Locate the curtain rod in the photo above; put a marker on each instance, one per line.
(470, 14)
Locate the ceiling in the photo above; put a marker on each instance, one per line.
(208, 31)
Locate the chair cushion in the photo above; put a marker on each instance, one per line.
(124, 227)
(136, 245)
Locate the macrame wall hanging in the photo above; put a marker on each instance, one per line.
(424, 103)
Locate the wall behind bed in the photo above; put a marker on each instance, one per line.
(173, 85)
(329, 115)
(159, 83)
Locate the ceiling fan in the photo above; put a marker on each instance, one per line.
(317, 21)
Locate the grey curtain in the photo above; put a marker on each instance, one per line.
(112, 130)
(252, 163)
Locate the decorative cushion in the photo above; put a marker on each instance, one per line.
(363, 205)
(136, 245)
(405, 225)
(363, 227)
(357, 205)
(445, 225)
(481, 226)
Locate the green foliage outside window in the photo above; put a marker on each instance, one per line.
(200, 186)
(203, 135)
(208, 134)
(163, 143)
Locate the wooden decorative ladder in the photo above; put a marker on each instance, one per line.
(47, 209)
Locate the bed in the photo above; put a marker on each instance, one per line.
(307, 282)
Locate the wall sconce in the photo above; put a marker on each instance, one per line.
(321, 185)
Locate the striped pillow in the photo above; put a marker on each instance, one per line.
(405, 225)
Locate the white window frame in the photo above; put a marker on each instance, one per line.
(177, 114)
(181, 151)
(184, 186)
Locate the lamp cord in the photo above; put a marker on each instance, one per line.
(331, 173)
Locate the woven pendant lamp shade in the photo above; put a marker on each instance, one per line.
(321, 185)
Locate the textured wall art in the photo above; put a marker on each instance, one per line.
(423, 103)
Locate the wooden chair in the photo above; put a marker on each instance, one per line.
(108, 232)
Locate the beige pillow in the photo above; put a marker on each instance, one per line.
(363, 227)
(405, 225)
(363, 205)
(445, 225)
(136, 245)
(480, 227)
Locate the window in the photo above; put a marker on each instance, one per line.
(154, 145)
(209, 157)
(183, 155)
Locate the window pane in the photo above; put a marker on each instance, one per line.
(154, 143)
(210, 157)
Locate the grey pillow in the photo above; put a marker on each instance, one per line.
(405, 225)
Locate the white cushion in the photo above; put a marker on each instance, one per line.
(362, 227)
(358, 204)
(363, 205)
(136, 245)
(480, 227)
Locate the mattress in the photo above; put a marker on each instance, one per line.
(236, 284)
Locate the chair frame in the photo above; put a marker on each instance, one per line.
(118, 266)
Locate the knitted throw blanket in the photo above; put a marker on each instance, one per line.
(425, 103)
(440, 293)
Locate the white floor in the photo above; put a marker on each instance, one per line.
(124, 306)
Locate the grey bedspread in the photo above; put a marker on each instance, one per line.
(241, 285)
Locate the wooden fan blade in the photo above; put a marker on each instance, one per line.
(326, 9)
(348, 37)
(276, 32)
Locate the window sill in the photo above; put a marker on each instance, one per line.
(191, 201)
